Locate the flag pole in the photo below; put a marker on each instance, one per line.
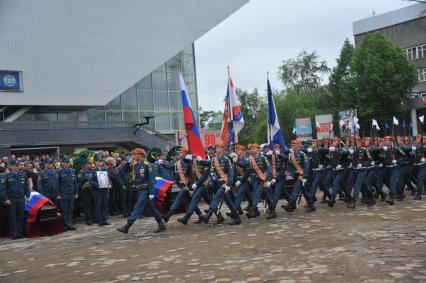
(230, 114)
(268, 126)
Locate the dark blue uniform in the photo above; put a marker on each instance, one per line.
(3, 185)
(86, 183)
(300, 159)
(16, 190)
(67, 190)
(101, 198)
(48, 184)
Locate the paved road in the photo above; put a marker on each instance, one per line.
(379, 244)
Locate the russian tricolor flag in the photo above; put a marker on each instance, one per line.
(161, 188)
(195, 144)
(35, 202)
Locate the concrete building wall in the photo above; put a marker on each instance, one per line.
(80, 52)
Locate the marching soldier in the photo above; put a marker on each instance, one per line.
(242, 183)
(183, 178)
(222, 175)
(142, 179)
(278, 161)
(260, 177)
(298, 165)
(420, 165)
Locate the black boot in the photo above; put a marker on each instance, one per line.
(256, 212)
(418, 196)
(272, 215)
(166, 217)
(206, 218)
(250, 213)
(230, 215)
(330, 202)
(220, 219)
(310, 208)
(289, 207)
(372, 202)
(235, 220)
(351, 204)
(240, 211)
(125, 228)
(383, 197)
(161, 227)
(184, 219)
(390, 201)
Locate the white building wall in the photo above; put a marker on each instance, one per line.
(86, 52)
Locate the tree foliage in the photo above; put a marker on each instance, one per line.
(303, 73)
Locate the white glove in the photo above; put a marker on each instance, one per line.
(226, 188)
(393, 161)
(277, 152)
(339, 166)
(351, 151)
(310, 149)
(199, 158)
(238, 183)
(151, 197)
(160, 161)
(422, 160)
(188, 157)
(273, 181)
(320, 166)
(380, 165)
(303, 182)
(413, 148)
(385, 148)
(268, 184)
(291, 150)
(373, 163)
(269, 153)
(194, 186)
(359, 166)
(332, 149)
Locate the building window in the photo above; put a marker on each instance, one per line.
(422, 75)
(146, 101)
(161, 101)
(410, 53)
(421, 51)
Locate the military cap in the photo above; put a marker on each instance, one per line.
(138, 150)
(65, 159)
(211, 147)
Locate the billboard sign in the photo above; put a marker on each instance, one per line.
(324, 126)
(303, 128)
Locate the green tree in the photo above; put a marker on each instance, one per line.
(340, 82)
(205, 117)
(303, 73)
(382, 78)
(254, 109)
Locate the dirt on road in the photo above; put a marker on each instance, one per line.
(379, 244)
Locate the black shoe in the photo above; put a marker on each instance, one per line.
(100, 224)
(372, 202)
(240, 211)
(256, 212)
(184, 219)
(161, 227)
(250, 213)
(166, 217)
(390, 201)
(311, 208)
(199, 220)
(72, 228)
(272, 215)
(107, 223)
(235, 221)
(89, 223)
(206, 218)
(125, 228)
(383, 197)
(330, 202)
(351, 204)
(220, 219)
(417, 197)
(289, 207)
(230, 215)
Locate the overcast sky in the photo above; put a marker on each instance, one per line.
(259, 36)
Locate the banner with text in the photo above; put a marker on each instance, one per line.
(208, 138)
(303, 128)
(324, 126)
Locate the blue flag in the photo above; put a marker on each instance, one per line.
(403, 123)
(387, 126)
(276, 134)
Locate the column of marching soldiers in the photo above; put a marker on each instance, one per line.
(230, 175)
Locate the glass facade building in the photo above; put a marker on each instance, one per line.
(157, 95)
